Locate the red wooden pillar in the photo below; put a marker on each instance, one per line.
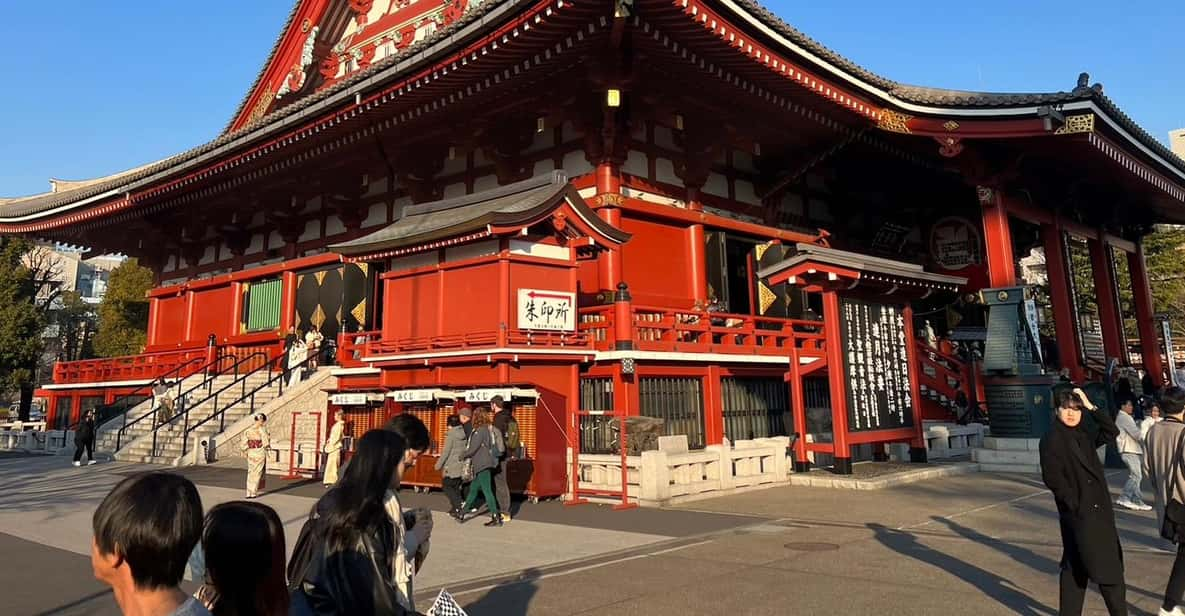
(153, 321)
(917, 446)
(798, 406)
(1142, 294)
(287, 301)
(609, 191)
(1061, 300)
(188, 316)
(696, 253)
(837, 379)
(997, 238)
(236, 311)
(714, 409)
(1104, 289)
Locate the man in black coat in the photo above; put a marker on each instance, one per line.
(1071, 469)
(84, 438)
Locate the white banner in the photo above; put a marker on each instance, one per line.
(507, 393)
(356, 399)
(1166, 330)
(414, 395)
(1031, 320)
(546, 310)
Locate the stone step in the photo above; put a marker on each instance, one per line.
(1005, 456)
(1013, 444)
(1009, 468)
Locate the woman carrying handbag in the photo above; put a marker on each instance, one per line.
(1071, 469)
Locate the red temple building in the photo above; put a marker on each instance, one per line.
(568, 203)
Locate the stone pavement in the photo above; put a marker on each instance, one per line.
(972, 544)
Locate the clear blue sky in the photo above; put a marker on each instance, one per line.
(93, 88)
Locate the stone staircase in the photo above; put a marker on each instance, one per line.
(169, 439)
(107, 434)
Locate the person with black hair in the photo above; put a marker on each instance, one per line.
(507, 427)
(243, 547)
(415, 526)
(84, 438)
(144, 531)
(483, 457)
(255, 445)
(1071, 469)
(344, 561)
(1131, 450)
(1163, 466)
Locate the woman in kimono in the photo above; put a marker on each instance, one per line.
(255, 444)
(296, 356)
(333, 449)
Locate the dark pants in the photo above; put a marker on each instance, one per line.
(482, 483)
(501, 489)
(452, 490)
(1176, 587)
(1072, 593)
(90, 450)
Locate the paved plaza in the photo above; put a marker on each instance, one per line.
(972, 544)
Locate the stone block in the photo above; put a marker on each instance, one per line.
(995, 456)
(1022, 444)
(1010, 468)
(673, 444)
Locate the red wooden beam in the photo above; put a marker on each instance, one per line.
(997, 239)
(1142, 294)
(1104, 289)
(1061, 300)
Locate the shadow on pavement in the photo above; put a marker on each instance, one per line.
(511, 598)
(1002, 590)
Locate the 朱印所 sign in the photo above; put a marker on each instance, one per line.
(547, 310)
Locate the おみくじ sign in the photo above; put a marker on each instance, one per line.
(547, 310)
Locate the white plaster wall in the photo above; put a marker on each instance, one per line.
(454, 165)
(400, 204)
(208, 255)
(312, 230)
(170, 264)
(334, 226)
(454, 190)
(312, 205)
(541, 140)
(664, 138)
(664, 171)
(274, 240)
(746, 193)
(575, 164)
(485, 182)
(471, 251)
(716, 185)
(413, 261)
(743, 161)
(255, 245)
(635, 164)
(376, 215)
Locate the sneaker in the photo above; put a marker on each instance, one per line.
(78, 464)
(1126, 504)
(1143, 507)
(1176, 611)
(92, 462)
(505, 517)
(494, 522)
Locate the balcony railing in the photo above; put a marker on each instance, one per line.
(352, 352)
(697, 331)
(149, 366)
(144, 367)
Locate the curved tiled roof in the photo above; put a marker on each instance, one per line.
(961, 98)
(266, 63)
(894, 93)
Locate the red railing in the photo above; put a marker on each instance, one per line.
(515, 338)
(146, 366)
(697, 331)
(351, 348)
(944, 375)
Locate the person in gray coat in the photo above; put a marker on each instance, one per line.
(1162, 464)
(450, 463)
(484, 459)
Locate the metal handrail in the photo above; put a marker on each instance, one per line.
(149, 387)
(220, 412)
(207, 382)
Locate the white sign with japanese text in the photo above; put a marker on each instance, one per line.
(413, 395)
(546, 310)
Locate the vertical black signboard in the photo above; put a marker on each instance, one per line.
(876, 366)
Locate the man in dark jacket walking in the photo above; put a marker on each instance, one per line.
(505, 423)
(1071, 469)
(84, 437)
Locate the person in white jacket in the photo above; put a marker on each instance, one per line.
(1151, 418)
(1131, 449)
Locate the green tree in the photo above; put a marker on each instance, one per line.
(1164, 256)
(123, 313)
(76, 327)
(21, 322)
